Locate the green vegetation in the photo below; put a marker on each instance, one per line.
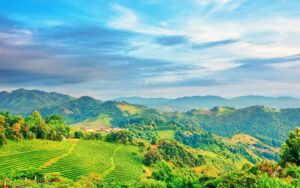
(268, 125)
(168, 134)
(72, 159)
(77, 110)
(124, 137)
(34, 126)
(29, 154)
(24, 102)
(291, 150)
(149, 148)
(104, 158)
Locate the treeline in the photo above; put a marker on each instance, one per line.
(52, 128)
(34, 126)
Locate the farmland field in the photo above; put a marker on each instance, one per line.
(73, 158)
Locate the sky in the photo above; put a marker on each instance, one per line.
(151, 48)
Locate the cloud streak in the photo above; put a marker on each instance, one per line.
(147, 48)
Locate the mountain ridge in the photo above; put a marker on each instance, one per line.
(207, 102)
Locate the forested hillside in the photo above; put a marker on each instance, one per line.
(155, 153)
(24, 102)
(267, 124)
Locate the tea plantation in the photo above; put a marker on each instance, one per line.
(73, 158)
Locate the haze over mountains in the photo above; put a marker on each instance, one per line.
(208, 102)
(22, 101)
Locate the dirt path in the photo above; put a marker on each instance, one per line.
(112, 161)
(54, 160)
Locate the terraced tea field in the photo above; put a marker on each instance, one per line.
(73, 158)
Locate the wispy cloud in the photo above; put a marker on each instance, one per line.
(151, 48)
(214, 44)
(127, 19)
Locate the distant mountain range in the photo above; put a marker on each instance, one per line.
(23, 101)
(207, 102)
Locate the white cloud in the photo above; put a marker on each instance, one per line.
(128, 19)
(283, 40)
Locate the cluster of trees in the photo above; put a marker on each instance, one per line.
(124, 137)
(34, 126)
(195, 139)
(172, 151)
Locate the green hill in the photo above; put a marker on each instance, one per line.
(23, 102)
(75, 110)
(89, 112)
(267, 124)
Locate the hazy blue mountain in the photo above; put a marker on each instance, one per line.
(22, 102)
(208, 102)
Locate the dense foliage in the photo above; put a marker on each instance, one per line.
(187, 156)
(23, 102)
(123, 137)
(290, 152)
(267, 124)
(33, 126)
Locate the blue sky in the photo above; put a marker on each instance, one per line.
(151, 48)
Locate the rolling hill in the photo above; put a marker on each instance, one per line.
(267, 124)
(23, 102)
(90, 112)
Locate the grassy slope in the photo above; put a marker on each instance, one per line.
(103, 121)
(131, 109)
(73, 158)
(168, 134)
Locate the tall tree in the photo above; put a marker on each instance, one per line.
(290, 152)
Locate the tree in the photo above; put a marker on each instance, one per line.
(290, 152)
(154, 139)
(123, 137)
(2, 136)
(57, 122)
(78, 134)
(2, 120)
(2, 139)
(151, 157)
